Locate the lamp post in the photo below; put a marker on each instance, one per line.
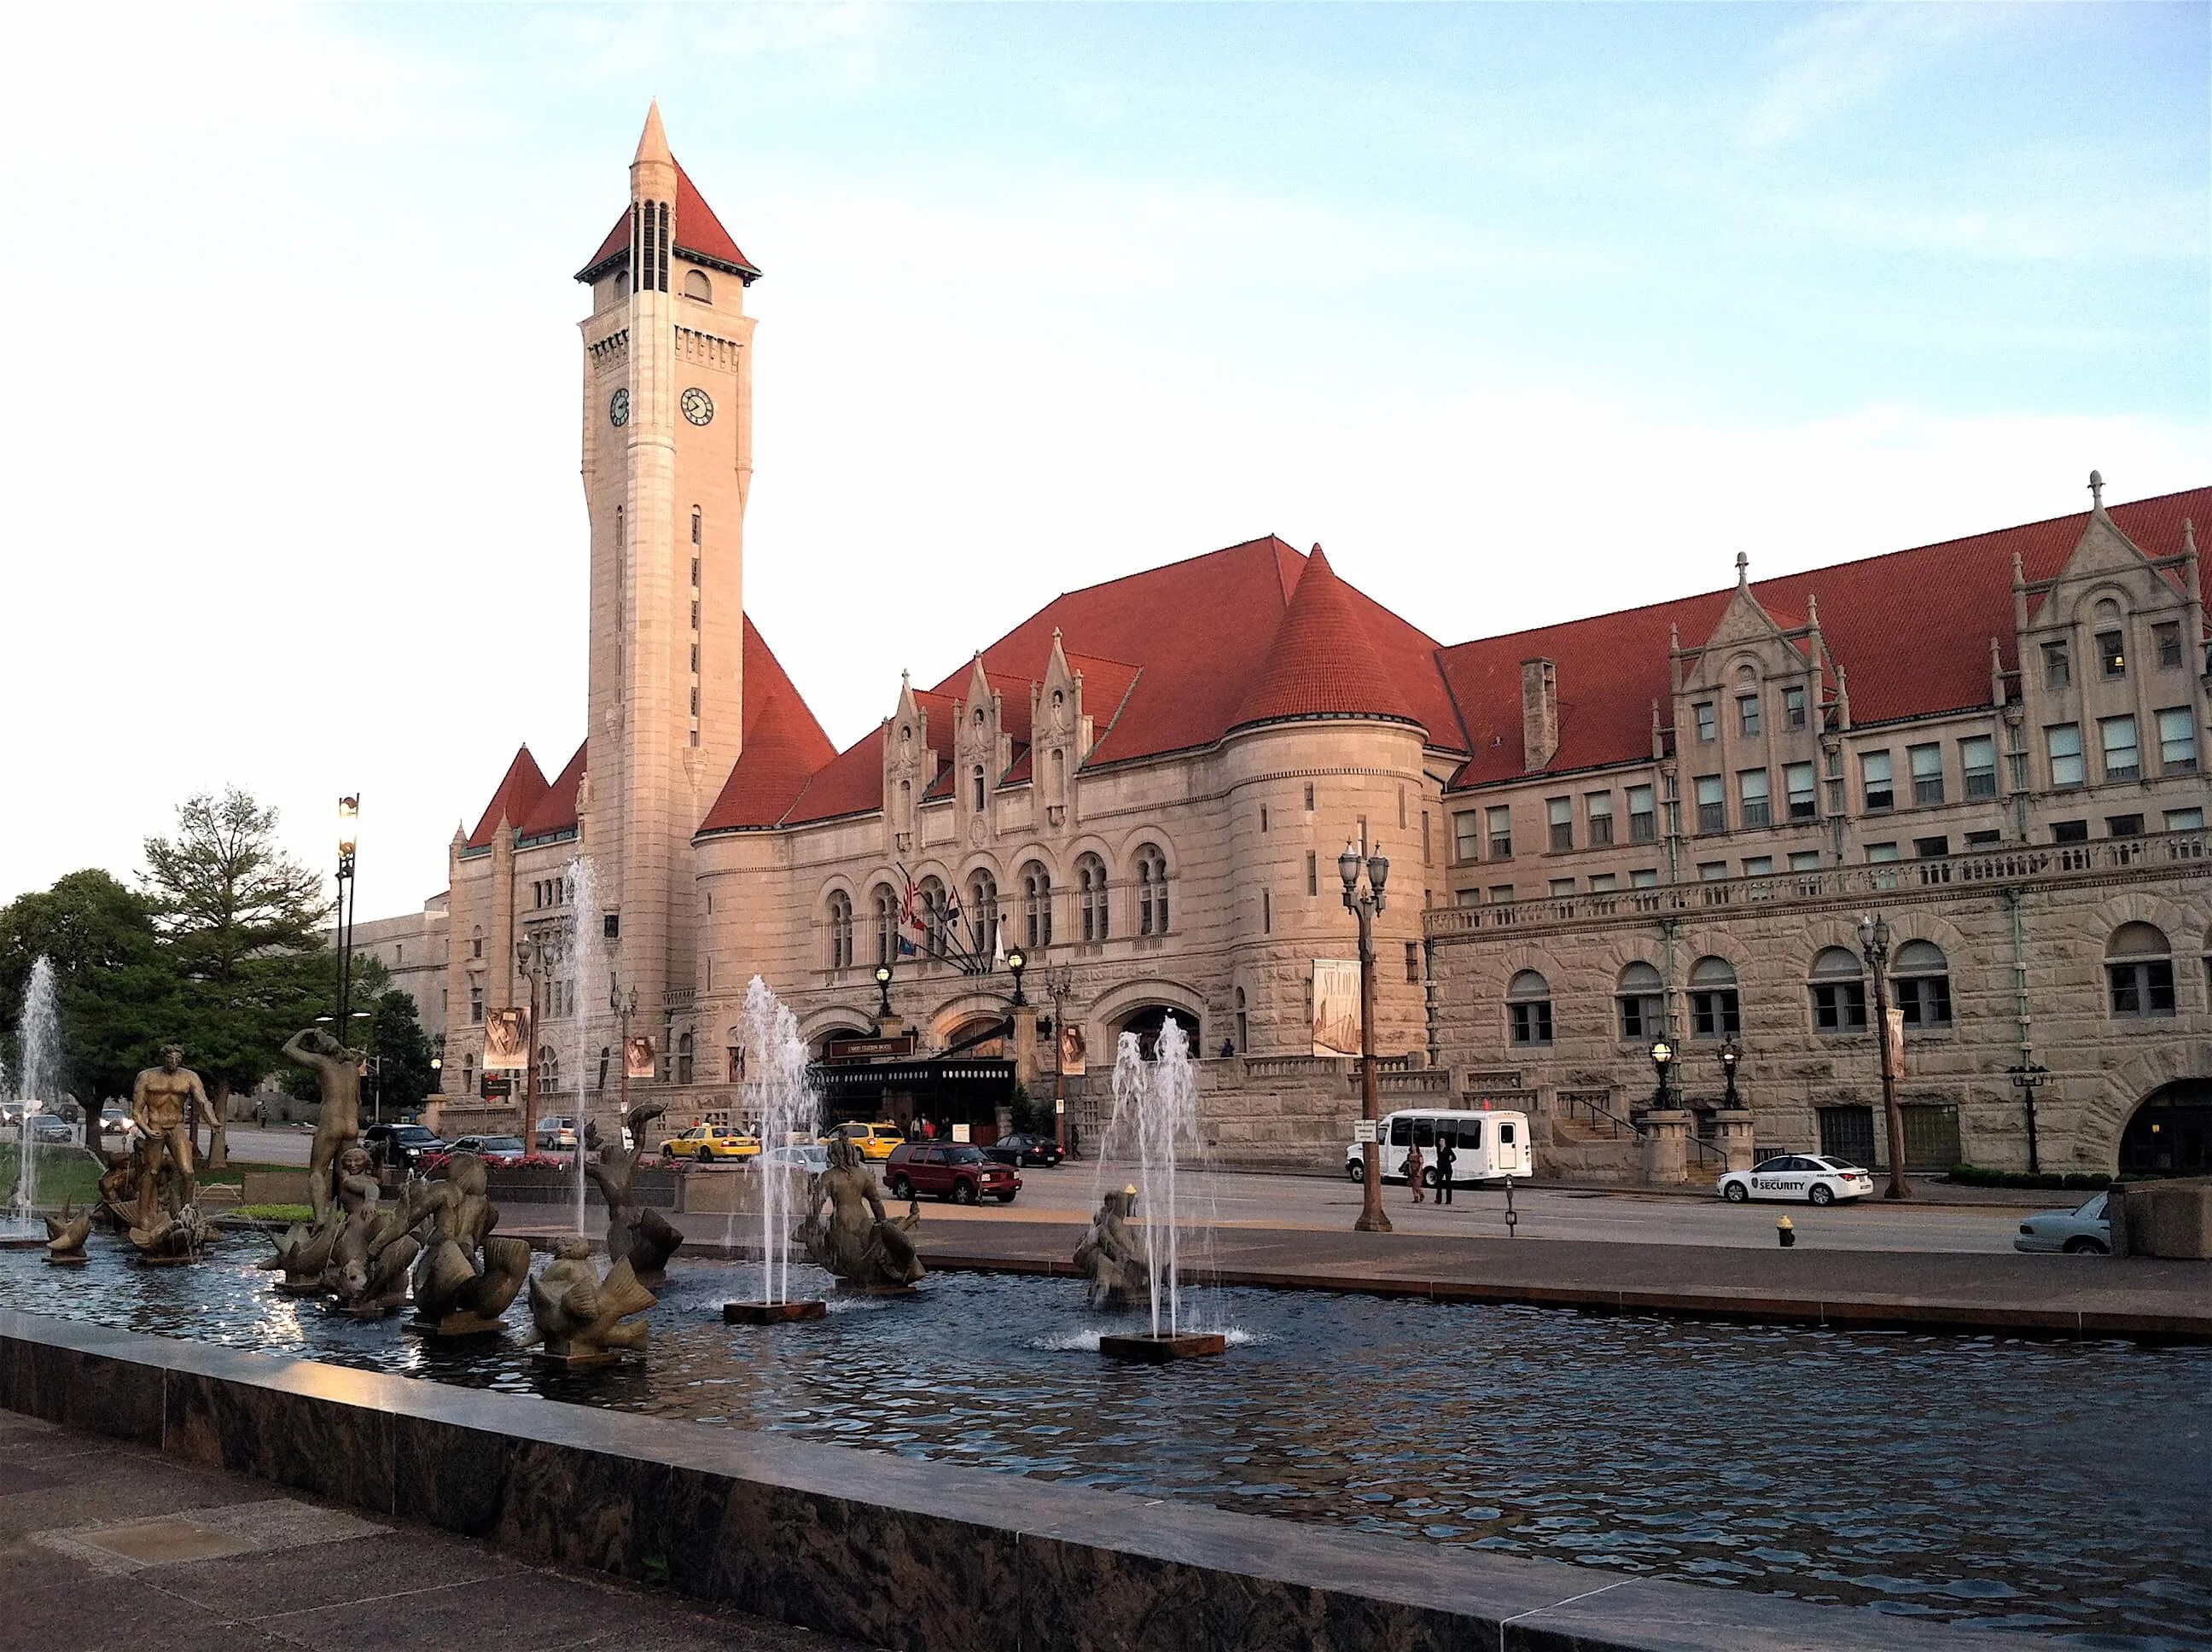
(1874, 947)
(624, 1005)
(1059, 987)
(348, 841)
(1731, 1052)
(1663, 1061)
(530, 958)
(1365, 905)
(2027, 1077)
(882, 995)
(1018, 961)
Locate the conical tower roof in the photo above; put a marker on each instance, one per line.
(1323, 662)
(519, 789)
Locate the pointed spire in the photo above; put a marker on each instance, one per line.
(653, 172)
(652, 143)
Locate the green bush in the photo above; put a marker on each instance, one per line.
(1974, 1175)
(1032, 1115)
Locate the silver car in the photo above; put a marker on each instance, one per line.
(2082, 1231)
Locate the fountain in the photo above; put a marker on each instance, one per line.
(1159, 1099)
(587, 948)
(636, 1233)
(789, 1111)
(37, 1045)
(577, 1316)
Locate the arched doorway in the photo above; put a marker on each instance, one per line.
(828, 1036)
(2171, 1132)
(996, 1048)
(1146, 1020)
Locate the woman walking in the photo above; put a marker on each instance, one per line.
(1414, 1166)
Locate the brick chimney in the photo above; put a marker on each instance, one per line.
(1539, 712)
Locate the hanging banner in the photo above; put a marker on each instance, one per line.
(637, 1057)
(1336, 1006)
(1893, 1031)
(506, 1041)
(1073, 1049)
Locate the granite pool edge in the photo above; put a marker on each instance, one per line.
(873, 1546)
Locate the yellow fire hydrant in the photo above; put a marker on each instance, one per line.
(1786, 1232)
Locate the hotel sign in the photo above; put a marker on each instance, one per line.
(869, 1049)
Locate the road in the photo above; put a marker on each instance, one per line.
(283, 1145)
(1067, 1194)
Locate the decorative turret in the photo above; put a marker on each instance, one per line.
(1322, 662)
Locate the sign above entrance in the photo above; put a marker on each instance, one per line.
(868, 1049)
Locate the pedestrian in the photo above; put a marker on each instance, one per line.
(1414, 1166)
(1446, 1155)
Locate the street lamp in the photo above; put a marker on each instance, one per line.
(883, 994)
(624, 1007)
(1018, 961)
(348, 841)
(1365, 905)
(530, 958)
(1662, 1057)
(1059, 987)
(1874, 947)
(2027, 1077)
(1731, 1052)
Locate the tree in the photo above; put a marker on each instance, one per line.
(401, 1050)
(244, 922)
(120, 993)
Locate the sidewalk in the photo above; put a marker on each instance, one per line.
(113, 1546)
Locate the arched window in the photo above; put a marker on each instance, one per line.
(1036, 905)
(1713, 1004)
(698, 528)
(476, 943)
(885, 905)
(932, 914)
(840, 930)
(2139, 965)
(683, 1049)
(983, 911)
(976, 780)
(1152, 890)
(1060, 774)
(1643, 999)
(1838, 983)
(1243, 1025)
(1922, 977)
(1529, 1008)
(468, 1075)
(696, 285)
(549, 1069)
(1091, 896)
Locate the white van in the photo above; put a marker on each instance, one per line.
(1486, 1146)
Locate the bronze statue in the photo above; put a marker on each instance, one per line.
(465, 1279)
(576, 1314)
(859, 1244)
(1113, 1256)
(368, 1270)
(303, 1255)
(66, 1233)
(162, 1102)
(337, 1077)
(636, 1231)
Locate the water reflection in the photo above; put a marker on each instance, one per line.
(2027, 1483)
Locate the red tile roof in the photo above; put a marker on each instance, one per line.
(556, 810)
(1910, 628)
(699, 236)
(784, 745)
(519, 790)
(1323, 661)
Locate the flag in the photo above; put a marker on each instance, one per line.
(998, 946)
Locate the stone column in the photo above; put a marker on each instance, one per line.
(1732, 1133)
(1666, 1146)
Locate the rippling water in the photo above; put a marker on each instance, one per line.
(2058, 1485)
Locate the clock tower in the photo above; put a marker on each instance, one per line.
(667, 465)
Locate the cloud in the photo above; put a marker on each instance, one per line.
(1847, 56)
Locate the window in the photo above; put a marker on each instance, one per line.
(1643, 815)
(1931, 848)
(1604, 883)
(1838, 992)
(1926, 762)
(1560, 816)
(1263, 816)
(1751, 794)
(1707, 723)
(2123, 758)
(2057, 665)
(2062, 745)
(695, 523)
(840, 930)
(2139, 965)
(1091, 896)
(983, 910)
(1427, 856)
(2177, 741)
(1877, 780)
(2165, 638)
(1597, 811)
(476, 943)
(1413, 962)
(1644, 877)
(933, 917)
(976, 789)
(1797, 780)
(1266, 911)
(548, 1068)
(1152, 891)
(1501, 895)
(2111, 652)
(2069, 831)
(1878, 852)
(476, 1005)
(1466, 898)
(1712, 803)
(696, 285)
(1713, 1012)
(1500, 821)
(1922, 977)
(1977, 763)
(685, 1049)
(468, 1074)
(1793, 707)
(1642, 1000)
(1981, 841)
(2185, 820)
(1313, 873)
(1036, 905)
(885, 905)
(1563, 886)
(1747, 713)
(1711, 872)
(1467, 834)
(2124, 825)
(1805, 861)
(611, 926)
(1758, 866)
(1529, 1008)
(1309, 797)
(695, 572)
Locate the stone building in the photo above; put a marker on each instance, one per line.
(1144, 787)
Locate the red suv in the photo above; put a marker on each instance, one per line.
(951, 1170)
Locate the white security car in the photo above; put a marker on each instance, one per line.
(1797, 1176)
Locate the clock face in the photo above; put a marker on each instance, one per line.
(618, 407)
(697, 405)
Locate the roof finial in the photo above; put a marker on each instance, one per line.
(2096, 490)
(1742, 570)
(2188, 538)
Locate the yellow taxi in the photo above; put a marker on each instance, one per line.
(705, 1143)
(875, 1141)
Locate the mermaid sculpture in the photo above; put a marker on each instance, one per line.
(1113, 1256)
(860, 1245)
(577, 1315)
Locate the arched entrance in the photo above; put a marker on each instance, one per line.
(997, 1048)
(1146, 1020)
(823, 1039)
(2170, 1133)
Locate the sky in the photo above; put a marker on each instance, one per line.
(1525, 311)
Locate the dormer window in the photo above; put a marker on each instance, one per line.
(1746, 714)
(2112, 653)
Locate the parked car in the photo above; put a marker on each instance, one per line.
(45, 1127)
(951, 1170)
(810, 1156)
(503, 1151)
(11, 1116)
(1803, 1176)
(556, 1134)
(114, 1122)
(703, 1144)
(401, 1146)
(1488, 1144)
(1021, 1149)
(875, 1141)
(2084, 1230)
